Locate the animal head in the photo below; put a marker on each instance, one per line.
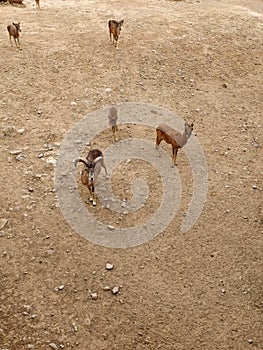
(116, 27)
(121, 23)
(188, 129)
(17, 25)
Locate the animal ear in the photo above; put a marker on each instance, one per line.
(14, 23)
(121, 22)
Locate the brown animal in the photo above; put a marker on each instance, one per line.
(13, 30)
(90, 171)
(113, 117)
(173, 137)
(38, 4)
(114, 30)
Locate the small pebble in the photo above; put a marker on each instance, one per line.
(110, 227)
(61, 287)
(94, 296)
(51, 160)
(52, 345)
(15, 152)
(3, 222)
(115, 290)
(75, 327)
(109, 266)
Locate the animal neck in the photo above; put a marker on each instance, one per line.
(187, 133)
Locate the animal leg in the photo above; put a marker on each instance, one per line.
(114, 128)
(93, 198)
(104, 166)
(175, 150)
(18, 43)
(158, 141)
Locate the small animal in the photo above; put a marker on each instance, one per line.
(173, 137)
(113, 117)
(13, 30)
(114, 30)
(90, 171)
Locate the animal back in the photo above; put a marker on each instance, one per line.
(166, 129)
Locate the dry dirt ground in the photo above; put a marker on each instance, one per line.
(199, 290)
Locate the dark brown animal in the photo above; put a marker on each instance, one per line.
(114, 31)
(90, 171)
(13, 30)
(173, 137)
(113, 117)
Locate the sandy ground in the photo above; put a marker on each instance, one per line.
(202, 290)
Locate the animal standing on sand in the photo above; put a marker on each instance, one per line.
(90, 171)
(113, 117)
(13, 30)
(173, 137)
(114, 30)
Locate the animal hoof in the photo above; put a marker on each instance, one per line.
(94, 204)
(91, 200)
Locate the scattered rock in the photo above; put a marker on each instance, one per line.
(61, 287)
(52, 346)
(75, 327)
(3, 222)
(20, 157)
(110, 227)
(15, 152)
(94, 296)
(51, 160)
(115, 290)
(109, 266)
